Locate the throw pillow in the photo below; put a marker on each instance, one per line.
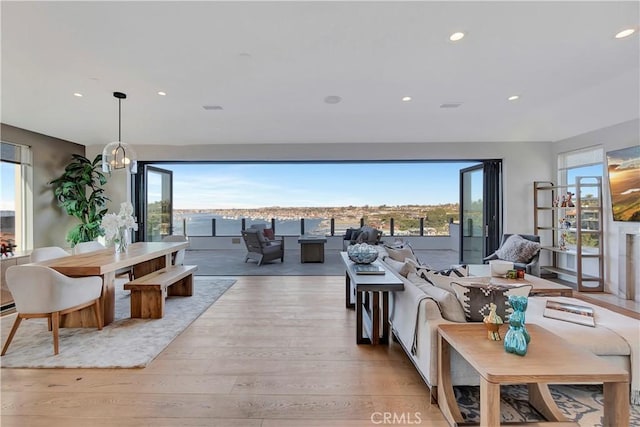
(401, 254)
(401, 267)
(450, 307)
(518, 249)
(476, 297)
(362, 237)
(348, 233)
(269, 234)
(443, 278)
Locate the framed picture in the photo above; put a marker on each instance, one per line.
(623, 167)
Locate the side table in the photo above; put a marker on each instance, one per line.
(311, 248)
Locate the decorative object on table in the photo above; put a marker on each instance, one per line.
(574, 313)
(517, 338)
(493, 323)
(367, 269)
(79, 191)
(7, 247)
(116, 226)
(362, 253)
(499, 267)
(562, 238)
(512, 274)
(118, 154)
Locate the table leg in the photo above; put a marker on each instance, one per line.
(541, 399)
(85, 318)
(489, 403)
(375, 319)
(446, 397)
(347, 287)
(385, 318)
(616, 405)
(359, 338)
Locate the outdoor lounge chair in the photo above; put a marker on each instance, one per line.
(261, 249)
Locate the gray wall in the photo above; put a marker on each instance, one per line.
(50, 156)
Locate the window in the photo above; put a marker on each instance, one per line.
(16, 219)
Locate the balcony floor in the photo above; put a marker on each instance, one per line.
(219, 262)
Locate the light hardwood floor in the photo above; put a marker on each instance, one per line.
(271, 352)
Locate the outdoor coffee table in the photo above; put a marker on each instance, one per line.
(311, 248)
(369, 288)
(549, 360)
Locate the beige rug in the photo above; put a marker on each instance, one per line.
(125, 343)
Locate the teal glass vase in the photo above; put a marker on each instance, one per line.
(517, 338)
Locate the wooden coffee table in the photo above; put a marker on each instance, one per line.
(549, 360)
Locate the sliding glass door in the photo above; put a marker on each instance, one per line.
(155, 198)
(480, 211)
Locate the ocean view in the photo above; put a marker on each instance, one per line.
(199, 224)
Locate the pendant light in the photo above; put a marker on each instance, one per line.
(118, 154)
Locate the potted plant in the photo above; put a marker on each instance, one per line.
(79, 192)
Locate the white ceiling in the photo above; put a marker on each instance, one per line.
(271, 64)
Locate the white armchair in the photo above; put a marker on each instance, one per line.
(47, 253)
(40, 291)
(85, 247)
(178, 259)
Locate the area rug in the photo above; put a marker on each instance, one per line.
(125, 343)
(580, 403)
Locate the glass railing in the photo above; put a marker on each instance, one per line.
(208, 225)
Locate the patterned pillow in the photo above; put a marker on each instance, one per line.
(443, 278)
(476, 297)
(517, 249)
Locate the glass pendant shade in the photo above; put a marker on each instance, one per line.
(119, 155)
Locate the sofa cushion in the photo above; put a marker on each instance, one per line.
(476, 297)
(400, 254)
(402, 268)
(518, 249)
(449, 305)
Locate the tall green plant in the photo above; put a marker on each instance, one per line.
(79, 192)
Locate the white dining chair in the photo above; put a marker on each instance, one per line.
(85, 247)
(178, 259)
(42, 292)
(47, 253)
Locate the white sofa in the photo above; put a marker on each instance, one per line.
(414, 318)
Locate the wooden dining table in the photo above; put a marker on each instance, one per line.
(144, 257)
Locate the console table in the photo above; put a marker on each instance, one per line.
(372, 300)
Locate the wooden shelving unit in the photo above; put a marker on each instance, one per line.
(571, 232)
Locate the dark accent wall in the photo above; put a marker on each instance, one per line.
(50, 156)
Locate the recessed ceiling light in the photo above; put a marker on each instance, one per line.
(161, 93)
(406, 98)
(332, 99)
(625, 33)
(78, 94)
(212, 107)
(451, 105)
(513, 97)
(456, 36)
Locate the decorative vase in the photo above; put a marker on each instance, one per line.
(517, 338)
(121, 240)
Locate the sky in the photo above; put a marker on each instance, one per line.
(7, 199)
(254, 185)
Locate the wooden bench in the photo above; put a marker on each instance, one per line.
(148, 292)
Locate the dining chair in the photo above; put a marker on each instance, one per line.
(178, 258)
(47, 253)
(42, 292)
